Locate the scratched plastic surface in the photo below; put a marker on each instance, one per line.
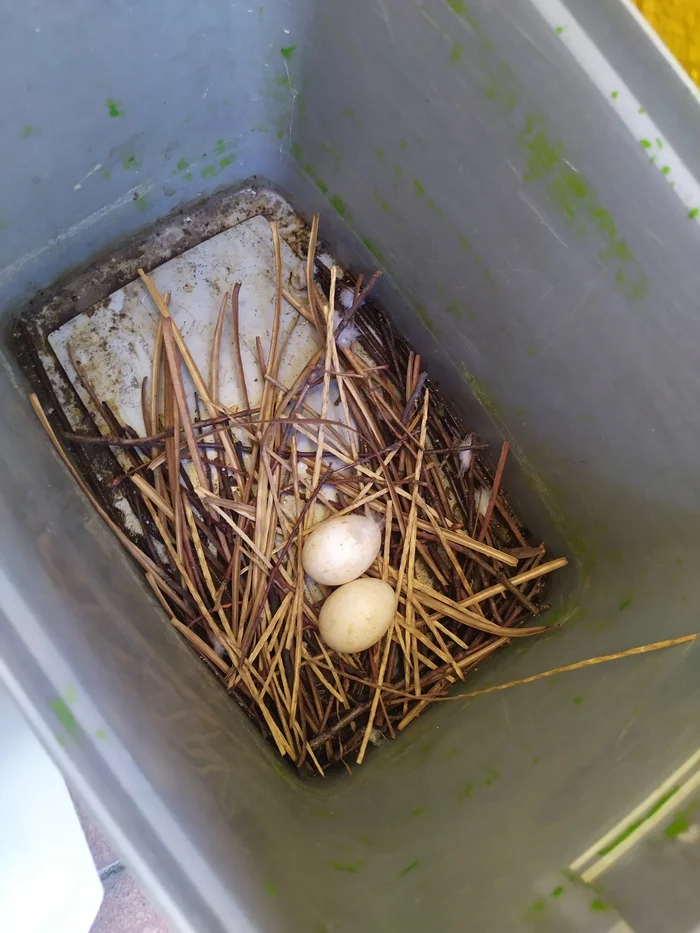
(524, 174)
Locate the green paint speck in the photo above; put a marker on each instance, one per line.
(141, 202)
(558, 891)
(351, 867)
(417, 811)
(366, 840)
(182, 165)
(693, 213)
(614, 95)
(559, 30)
(578, 700)
(280, 134)
(645, 143)
(492, 775)
(220, 146)
(271, 889)
(379, 154)
(65, 716)
(455, 309)
(187, 176)
(130, 161)
(381, 202)
(598, 906)
(418, 188)
(456, 53)
(665, 169)
(408, 868)
(106, 174)
(114, 107)
(227, 160)
(208, 171)
(27, 131)
(624, 603)
(659, 142)
(403, 144)
(466, 792)
(535, 760)
(641, 110)
(287, 51)
(101, 735)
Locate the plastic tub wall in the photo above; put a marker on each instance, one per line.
(548, 273)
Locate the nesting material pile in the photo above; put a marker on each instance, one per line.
(226, 500)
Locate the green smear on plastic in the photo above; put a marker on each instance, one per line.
(680, 822)
(338, 205)
(693, 213)
(624, 603)
(558, 891)
(27, 131)
(460, 8)
(578, 700)
(456, 53)
(308, 169)
(425, 318)
(633, 827)
(351, 867)
(271, 889)
(574, 199)
(379, 154)
(101, 735)
(182, 165)
(466, 792)
(409, 868)
(375, 251)
(287, 51)
(130, 161)
(114, 107)
(418, 188)
(487, 401)
(598, 906)
(492, 775)
(417, 811)
(227, 160)
(141, 202)
(65, 716)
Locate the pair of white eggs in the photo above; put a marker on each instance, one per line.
(336, 553)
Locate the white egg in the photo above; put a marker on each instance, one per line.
(357, 615)
(341, 549)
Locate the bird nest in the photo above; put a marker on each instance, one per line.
(225, 497)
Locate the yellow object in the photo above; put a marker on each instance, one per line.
(678, 24)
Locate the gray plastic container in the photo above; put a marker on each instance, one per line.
(486, 153)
